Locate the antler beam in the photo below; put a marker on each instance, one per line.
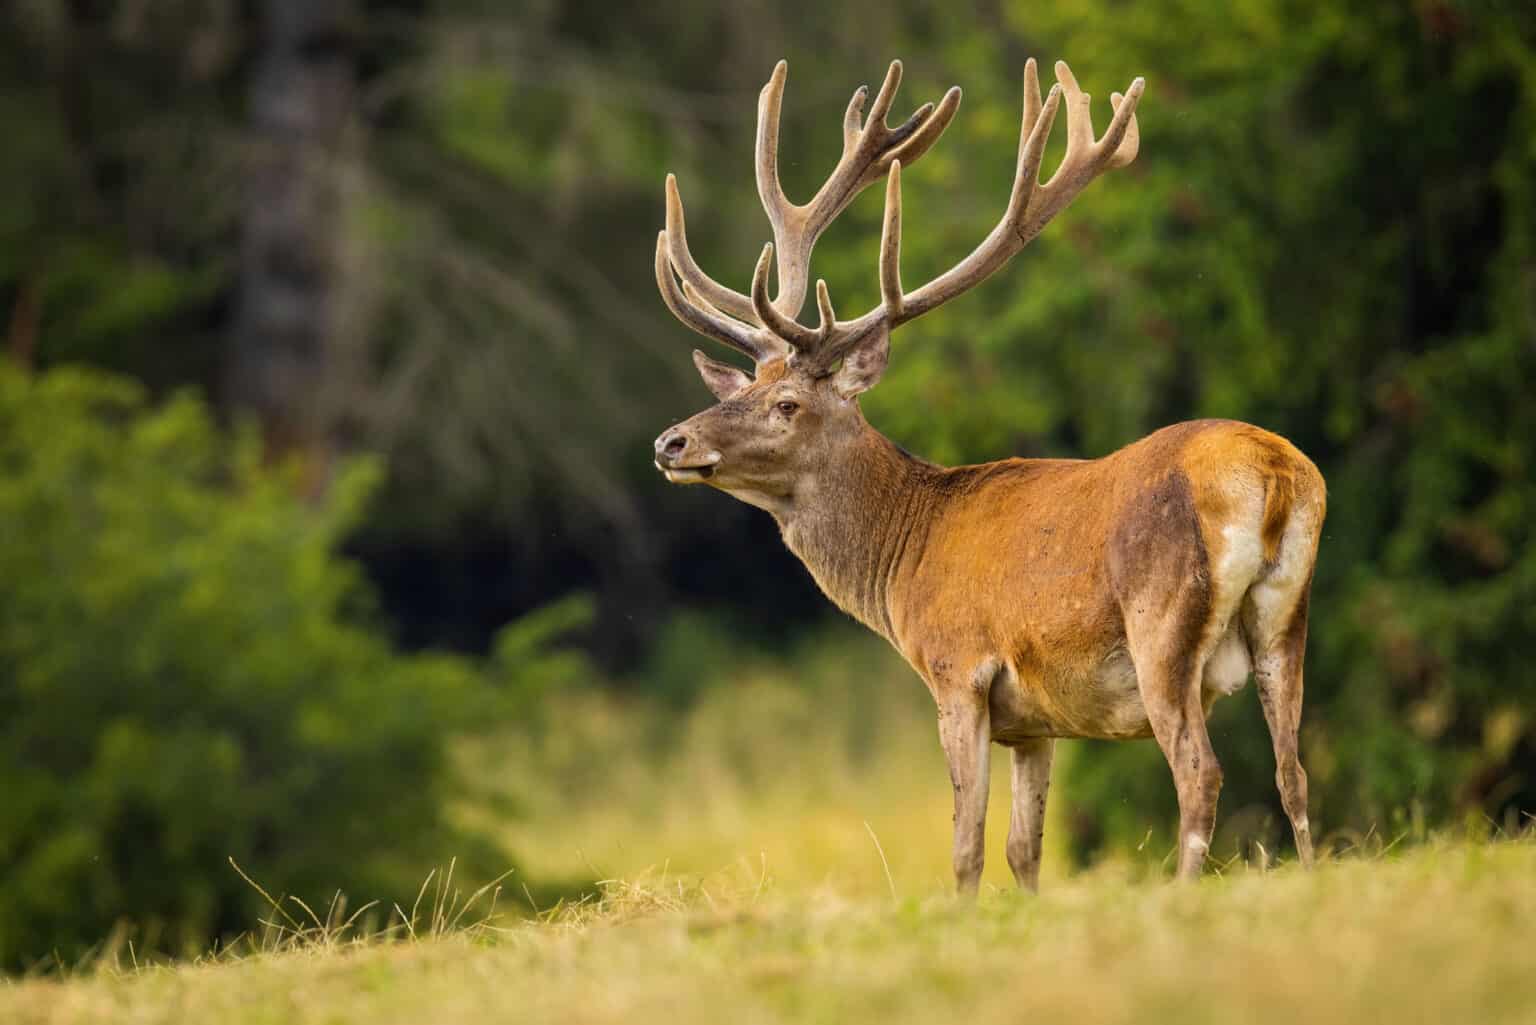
(694, 311)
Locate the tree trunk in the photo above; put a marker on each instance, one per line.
(300, 98)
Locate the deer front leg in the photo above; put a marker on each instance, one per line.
(1026, 825)
(965, 732)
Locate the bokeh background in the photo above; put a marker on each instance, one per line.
(329, 537)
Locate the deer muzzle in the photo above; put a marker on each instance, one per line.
(682, 459)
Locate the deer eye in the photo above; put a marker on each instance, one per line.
(787, 408)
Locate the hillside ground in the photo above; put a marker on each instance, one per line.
(1440, 933)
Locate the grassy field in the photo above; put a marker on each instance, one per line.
(1443, 933)
(781, 853)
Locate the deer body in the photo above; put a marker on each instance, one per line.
(1011, 577)
(1110, 598)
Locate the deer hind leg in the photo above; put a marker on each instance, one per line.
(1170, 631)
(1169, 681)
(1278, 674)
(1026, 825)
(1176, 597)
(965, 732)
(1275, 620)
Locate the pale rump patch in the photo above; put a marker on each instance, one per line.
(1236, 560)
(1273, 599)
(1241, 555)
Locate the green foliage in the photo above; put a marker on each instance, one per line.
(188, 673)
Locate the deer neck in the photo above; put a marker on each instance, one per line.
(854, 524)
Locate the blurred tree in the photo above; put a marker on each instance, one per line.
(187, 673)
(301, 100)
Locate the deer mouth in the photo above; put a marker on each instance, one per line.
(687, 474)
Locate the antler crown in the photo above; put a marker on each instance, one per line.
(768, 329)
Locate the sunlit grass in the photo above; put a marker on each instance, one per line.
(1436, 933)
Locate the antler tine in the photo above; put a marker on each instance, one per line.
(786, 327)
(1032, 101)
(726, 299)
(886, 96)
(1130, 143)
(769, 101)
(1085, 158)
(891, 299)
(687, 306)
(1026, 177)
(828, 316)
(924, 134)
(853, 119)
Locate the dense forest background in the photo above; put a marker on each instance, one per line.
(332, 362)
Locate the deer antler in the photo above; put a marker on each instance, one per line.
(1031, 206)
(870, 147)
(767, 329)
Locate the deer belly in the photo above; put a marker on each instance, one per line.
(1112, 707)
(1104, 703)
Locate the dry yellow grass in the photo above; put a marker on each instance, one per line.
(1439, 934)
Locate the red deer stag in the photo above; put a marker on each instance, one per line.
(1037, 598)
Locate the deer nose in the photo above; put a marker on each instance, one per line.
(671, 445)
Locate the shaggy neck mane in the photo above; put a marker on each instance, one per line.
(855, 523)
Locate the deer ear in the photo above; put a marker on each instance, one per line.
(721, 378)
(863, 365)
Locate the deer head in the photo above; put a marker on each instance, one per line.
(797, 413)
